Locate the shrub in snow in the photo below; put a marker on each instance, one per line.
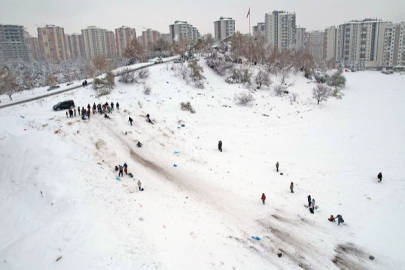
(337, 80)
(126, 76)
(263, 78)
(51, 80)
(293, 97)
(219, 65)
(243, 75)
(187, 107)
(8, 83)
(337, 93)
(243, 98)
(104, 86)
(320, 92)
(196, 74)
(143, 73)
(279, 89)
(147, 89)
(320, 77)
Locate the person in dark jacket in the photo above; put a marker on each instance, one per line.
(379, 176)
(67, 114)
(106, 116)
(220, 146)
(340, 219)
(309, 200)
(130, 120)
(112, 105)
(94, 108)
(85, 82)
(118, 106)
(148, 119)
(70, 113)
(292, 187)
(120, 171)
(263, 198)
(277, 165)
(88, 107)
(78, 110)
(139, 144)
(125, 168)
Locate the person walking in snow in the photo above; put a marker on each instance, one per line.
(125, 168)
(88, 107)
(130, 120)
(292, 187)
(70, 113)
(139, 185)
(313, 204)
(120, 171)
(118, 106)
(67, 114)
(220, 146)
(379, 176)
(309, 200)
(109, 109)
(148, 119)
(263, 198)
(83, 111)
(340, 219)
(78, 110)
(112, 105)
(74, 112)
(94, 108)
(277, 166)
(88, 114)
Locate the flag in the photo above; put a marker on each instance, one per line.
(248, 14)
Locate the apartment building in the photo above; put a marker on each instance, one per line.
(181, 29)
(394, 45)
(14, 44)
(149, 38)
(258, 29)
(224, 27)
(112, 52)
(315, 44)
(300, 39)
(35, 51)
(362, 41)
(95, 42)
(76, 46)
(331, 38)
(280, 29)
(52, 43)
(123, 36)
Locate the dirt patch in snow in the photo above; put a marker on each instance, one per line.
(348, 256)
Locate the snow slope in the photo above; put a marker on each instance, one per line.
(59, 195)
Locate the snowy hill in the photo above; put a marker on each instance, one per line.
(59, 196)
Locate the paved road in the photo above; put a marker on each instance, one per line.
(71, 88)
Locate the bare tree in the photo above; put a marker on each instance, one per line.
(126, 75)
(181, 46)
(320, 92)
(101, 64)
(280, 89)
(263, 77)
(51, 80)
(28, 81)
(8, 83)
(135, 51)
(147, 89)
(143, 73)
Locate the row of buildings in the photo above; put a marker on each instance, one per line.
(53, 45)
(372, 42)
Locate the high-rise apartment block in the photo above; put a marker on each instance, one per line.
(259, 29)
(52, 43)
(111, 45)
(35, 50)
(123, 36)
(330, 50)
(149, 38)
(14, 44)
(362, 41)
(394, 45)
(182, 30)
(224, 27)
(280, 29)
(76, 46)
(316, 44)
(300, 39)
(95, 42)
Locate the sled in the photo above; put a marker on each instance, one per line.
(176, 152)
(174, 165)
(130, 175)
(118, 179)
(256, 238)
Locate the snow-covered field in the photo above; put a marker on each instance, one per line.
(59, 198)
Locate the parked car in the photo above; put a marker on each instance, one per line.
(179, 60)
(158, 61)
(64, 105)
(53, 87)
(69, 83)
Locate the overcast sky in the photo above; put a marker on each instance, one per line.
(75, 15)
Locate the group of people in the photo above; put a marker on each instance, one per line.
(124, 169)
(86, 112)
(84, 84)
(130, 120)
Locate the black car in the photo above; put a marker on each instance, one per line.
(53, 87)
(64, 105)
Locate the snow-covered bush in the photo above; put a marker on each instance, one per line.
(187, 107)
(337, 93)
(320, 92)
(337, 80)
(147, 89)
(104, 86)
(263, 78)
(219, 65)
(244, 98)
(196, 74)
(143, 73)
(293, 97)
(126, 76)
(279, 89)
(321, 77)
(242, 74)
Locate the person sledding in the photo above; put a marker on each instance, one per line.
(148, 119)
(130, 120)
(331, 218)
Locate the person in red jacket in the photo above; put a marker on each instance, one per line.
(263, 197)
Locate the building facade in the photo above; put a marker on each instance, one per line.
(149, 38)
(76, 46)
(111, 45)
(316, 44)
(258, 29)
(362, 41)
(124, 35)
(280, 29)
(14, 44)
(182, 30)
(35, 51)
(223, 28)
(394, 45)
(300, 39)
(330, 51)
(95, 42)
(52, 43)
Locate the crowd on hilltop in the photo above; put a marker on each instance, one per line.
(86, 111)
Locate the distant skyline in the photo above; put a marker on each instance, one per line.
(74, 15)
